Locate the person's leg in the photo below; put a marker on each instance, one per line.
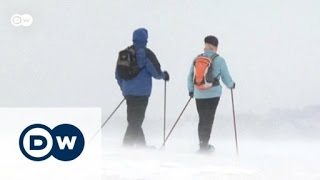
(206, 110)
(128, 139)
(136, 107)
(140, 114)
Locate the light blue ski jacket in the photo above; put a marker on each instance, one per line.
(220, 71)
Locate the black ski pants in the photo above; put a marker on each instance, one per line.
(136, 108)
(206, 109)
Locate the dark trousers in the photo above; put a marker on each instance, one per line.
(136, 108)
(206, 110)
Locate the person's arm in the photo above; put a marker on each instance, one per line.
(225, 75)
(153, 66)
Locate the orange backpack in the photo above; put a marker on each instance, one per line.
(202, 75)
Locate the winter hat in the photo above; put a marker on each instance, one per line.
(211, 40)
(140, 36)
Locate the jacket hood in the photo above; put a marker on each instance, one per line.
(140, 37)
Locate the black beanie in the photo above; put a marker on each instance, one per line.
(211, 40)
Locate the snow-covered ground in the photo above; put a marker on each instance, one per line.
(276, 159)
(271, 146)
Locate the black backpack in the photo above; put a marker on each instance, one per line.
(127, 66)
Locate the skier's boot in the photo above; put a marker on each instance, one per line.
(206, 148)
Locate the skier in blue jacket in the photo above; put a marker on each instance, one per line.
(207, 100)
(137, 90)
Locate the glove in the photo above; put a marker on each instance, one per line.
(191, 94)
(166, 76)
(234, 86)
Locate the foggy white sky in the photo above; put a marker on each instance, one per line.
(67, 57)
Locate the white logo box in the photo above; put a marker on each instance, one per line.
(16, 166)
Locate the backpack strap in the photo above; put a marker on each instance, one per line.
(214, 56)
(133, 50)
(216, 81)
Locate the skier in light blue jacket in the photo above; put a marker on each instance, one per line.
(207, 99)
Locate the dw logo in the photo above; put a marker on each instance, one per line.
(21, 20)
(38, 142)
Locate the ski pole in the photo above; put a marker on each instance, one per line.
(176, 122)
(164, 113)
(234, 122)
(105, 122)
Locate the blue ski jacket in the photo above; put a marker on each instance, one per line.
(141, 85)
(220, 71)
